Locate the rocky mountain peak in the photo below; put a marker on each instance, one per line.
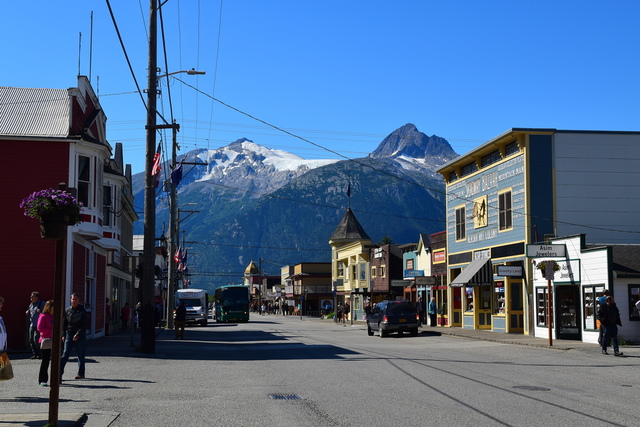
(408, 141)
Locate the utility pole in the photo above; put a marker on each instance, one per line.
(173, 227)
(148, 344)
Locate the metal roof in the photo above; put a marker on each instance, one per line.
(34, 112)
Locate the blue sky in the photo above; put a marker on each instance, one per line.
(342, 74)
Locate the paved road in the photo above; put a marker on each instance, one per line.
(277, 371)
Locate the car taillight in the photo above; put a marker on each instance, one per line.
(417, 317)
(385, 319)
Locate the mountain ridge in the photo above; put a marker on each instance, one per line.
(251, 209)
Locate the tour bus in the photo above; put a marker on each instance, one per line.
(231, 304)
(196, 302)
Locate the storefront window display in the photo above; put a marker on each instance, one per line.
(498, 298)
(541, 306)
(469, 300)
(590, 295)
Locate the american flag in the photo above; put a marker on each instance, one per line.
(156, 161)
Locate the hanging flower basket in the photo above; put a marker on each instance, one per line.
(55, 209)
(542, 266)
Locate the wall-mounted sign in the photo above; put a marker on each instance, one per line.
(426, 280)
(439, 256)
(400, 282)
(509, 270)
(413, 273)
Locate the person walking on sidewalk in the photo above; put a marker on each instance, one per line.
(180, 320)
(433, 312)
(74, 328)
(33, 311)
(45, 329)
(609, 316)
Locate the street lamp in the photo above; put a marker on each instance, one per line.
(191, 72)
(173, 222)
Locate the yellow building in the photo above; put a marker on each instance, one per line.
(350, 247)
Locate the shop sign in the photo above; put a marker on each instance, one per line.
(539, 251)
(426, 280)
(402, 283)
(569, 271)
(439, 256)
(510, 270)
(413, 273)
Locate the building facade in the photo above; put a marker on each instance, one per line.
(524, 187)
(61, 133)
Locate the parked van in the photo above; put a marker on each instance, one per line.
(197, 305)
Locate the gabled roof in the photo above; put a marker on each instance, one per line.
(349, 229)
(34, 112)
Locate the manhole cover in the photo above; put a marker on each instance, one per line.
(285, 396)
(531, 388)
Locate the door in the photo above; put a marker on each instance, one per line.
(567, 313)
(483, 309)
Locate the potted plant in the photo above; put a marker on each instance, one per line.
(542, 266)
(55, 209)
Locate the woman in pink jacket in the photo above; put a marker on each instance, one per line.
(45, 328)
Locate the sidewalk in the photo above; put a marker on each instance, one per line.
(488, 335)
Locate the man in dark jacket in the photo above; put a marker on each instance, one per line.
(74, 326)
(609, 316)
(180, 319)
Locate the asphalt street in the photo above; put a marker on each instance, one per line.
(277, 371)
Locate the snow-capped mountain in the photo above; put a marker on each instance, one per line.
(252, 200)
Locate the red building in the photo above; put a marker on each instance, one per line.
(52, 136)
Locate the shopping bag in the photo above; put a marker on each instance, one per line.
(6, 371)
(45, 344)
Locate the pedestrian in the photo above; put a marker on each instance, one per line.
(3, 331)
(339, 312)
(137, 316)
(74, 329)
(158, 313)
(45, 328)
(602, 301)
(609, 316)
(420, 310)
(107, 318)
(180, 320)
(347, 309)
(33, 311)
(125, 313)
(285, 308)
(432, 310)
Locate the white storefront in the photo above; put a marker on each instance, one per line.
(581, 277)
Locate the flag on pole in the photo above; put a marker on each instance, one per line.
(182, 265)
(178, 256)
(176, 175)
(156, 161)
(157, 167)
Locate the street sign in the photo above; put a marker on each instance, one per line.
(537, 251)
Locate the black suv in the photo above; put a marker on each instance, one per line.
(393, 316)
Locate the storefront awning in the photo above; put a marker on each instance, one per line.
(478, 273)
